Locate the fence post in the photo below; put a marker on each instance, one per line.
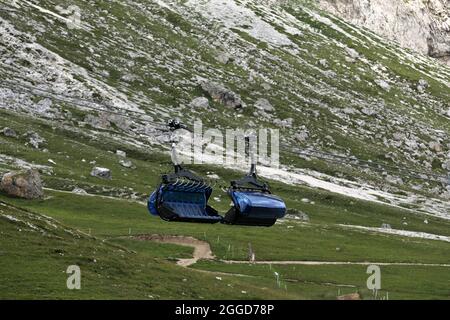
(251, 253)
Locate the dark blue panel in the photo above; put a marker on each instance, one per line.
(258, 205)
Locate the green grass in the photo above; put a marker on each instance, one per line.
(33, 266)
(397, 282)
(116, 266)
(113, 218)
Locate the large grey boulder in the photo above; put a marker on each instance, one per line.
(8, 132)
(199, 103)
(102, 173)
(263, 105)
(22, 184)
(221, 94)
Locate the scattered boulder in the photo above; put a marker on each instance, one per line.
(399, 136)
(303, 216)
(23, 184)
(8, 132)
(411, 143)
(263, 105)
(352, 53)
(446, 165)
(121, 153)
(386, 226)
(212, 175)
(223, 58)
(126, 163)
(80, 191)
(422, 85)
(435, 146)
(44, 106)
(199, 103)
(221, 94)
(286, 123)
(297, 215)
(34, 139)
(349, 110)
(383, 84)
(394, 180)
(102, 173)
(330, 74)
(368, 111)
(302, 135)
(267, 86)
(323, 63)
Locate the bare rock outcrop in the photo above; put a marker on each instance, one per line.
(423, 26)
(102, 173)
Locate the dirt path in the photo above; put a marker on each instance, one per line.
(202, 250)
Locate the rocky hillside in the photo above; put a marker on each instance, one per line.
(358, 115)
(423, 26)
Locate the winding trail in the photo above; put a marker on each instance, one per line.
(202, 250)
